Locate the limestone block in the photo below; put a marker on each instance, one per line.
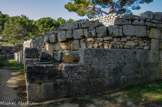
(57, 56)
(57, 46)
(53, 38)
(41, 73)
(93, 33)
(46, 56)
(31, 53)
(71, 56)
(69, 26)
(130, 43)
(46, 38)
(89, 44)
(99, 40)
(90, 24)
(147, 15)
(87, 33)
(75, 45)
(121, 21)
(113, 30)
(83, 43)
(69, 34)
(49, 47)
(154, 56)
(130, 16)
(123, 39)
(108, 38)
(61, 36)
(64, 45)
(120, 31)
(155, 44)
(101, 31)
(128, 30)
(95, 45)
(78, 34)
(160, 44)
(140, 31)
(161, 55)
(158, 16)
(154, 33)
(90, 39)
(138, 22)
(106, 46)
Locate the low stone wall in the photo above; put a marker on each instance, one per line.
(88, 57)
(6, 52)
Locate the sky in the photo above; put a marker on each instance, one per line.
(35, 9)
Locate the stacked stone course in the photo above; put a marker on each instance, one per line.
(92, 56)
(6, 52)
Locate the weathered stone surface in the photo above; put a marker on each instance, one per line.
(53, 38)
(46, 56)
(147, 15)
(41, 73)
(121, 21)
(90, 24)
(160, 44)
(138, 22)
(31, 53)
(108, 38)
(93, 33)
(49, 47)
(61, 36)
(128, 30)
(158, 16)
(101, 31)
(75, 45)
(113, 30)
(86, 33)
(57, 56)
(69, 26)
(130, 16)
(46, 38)
(154, 33)
(71, 56)
(78, 34)
(130, 43)
(155, 44)
(83, 43)
(64, 45)
(140, 31)
(69, 34)
(120, 31)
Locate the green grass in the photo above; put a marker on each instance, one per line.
(12, 65)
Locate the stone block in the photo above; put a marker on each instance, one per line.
(155, 44)
(61, 36)
(158, 16)
(138, 22)
(71, 56)
(78, 34)
(49, 47)
(90, 24)
(101, 31)
(83, 43)
(147, 15)
(128, 30)
(121, 21)
(140, 31)
(160, 44)
(64, 45)
(130, 43)
(154, 33)
(113, 30)
(68, 26)
(31, 53)
(69, 34)
(46, 56)
(93, 33)
(120, 31)
(53, 38)
(154, 56)
(87, 33)
(57, 46)
(75, 45)
(46, 38)
(161, 54)
(130, 17)
(38, 73)
(57, 56)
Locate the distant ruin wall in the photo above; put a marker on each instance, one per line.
(89, 57)
(6, 52)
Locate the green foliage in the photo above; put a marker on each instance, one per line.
(93, 8)
(19, 28)
(12, 65)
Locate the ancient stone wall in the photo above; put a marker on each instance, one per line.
(88, 57)
(6, 52)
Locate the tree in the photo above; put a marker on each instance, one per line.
(17, 29)
(3, 19)
(93, 8)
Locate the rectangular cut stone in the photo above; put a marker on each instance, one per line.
(61, 36)
(69, 34)
(52, 38)
(128, 30)
(113, 30)
(140, 31)
(87, 33)
(71, 56)
(31, 53)
(78, 34)
(120, 31)
(49, 47)
(101, 31)
(57, 56)
(90, 24)
(75, 45)
(154, 33)
(83, 43)
(69, 26)
(155, 44)
(64, 45)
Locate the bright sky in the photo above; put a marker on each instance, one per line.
(35, 9)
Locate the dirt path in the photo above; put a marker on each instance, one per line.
(12, 88)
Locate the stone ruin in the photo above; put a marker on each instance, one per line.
(6, 52)
(93, 56)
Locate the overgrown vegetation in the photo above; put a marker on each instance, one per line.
(11, 65)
